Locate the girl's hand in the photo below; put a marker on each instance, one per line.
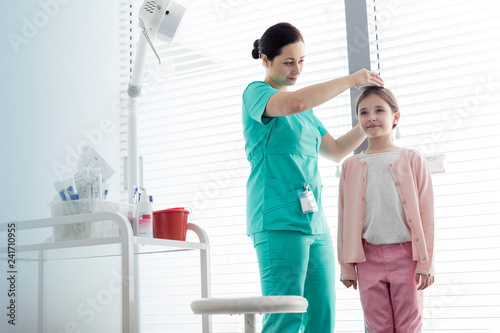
(349, 283)
(365, 77)
(424, 280)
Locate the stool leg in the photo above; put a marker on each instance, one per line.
(249, 323)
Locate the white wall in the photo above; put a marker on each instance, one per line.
(59, 85)
(59, 82)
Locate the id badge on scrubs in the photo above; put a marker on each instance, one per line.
(308, 201)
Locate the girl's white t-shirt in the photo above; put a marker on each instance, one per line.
(385, 222)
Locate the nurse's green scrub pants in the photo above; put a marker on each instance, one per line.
(294, 263)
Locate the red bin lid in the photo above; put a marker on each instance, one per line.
(174, 210)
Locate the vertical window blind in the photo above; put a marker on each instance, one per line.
(441, 60)
(438, 58)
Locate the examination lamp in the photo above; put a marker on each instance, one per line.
(158, 19)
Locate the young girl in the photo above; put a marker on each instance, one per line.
(386, 221)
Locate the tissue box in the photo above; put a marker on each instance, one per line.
(88, 230)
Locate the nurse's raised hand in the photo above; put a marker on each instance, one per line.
(364, 77)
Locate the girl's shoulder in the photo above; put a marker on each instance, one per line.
(413, 154)
(354, 159)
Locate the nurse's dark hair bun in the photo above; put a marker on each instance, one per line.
(255, 51)
(274, 39)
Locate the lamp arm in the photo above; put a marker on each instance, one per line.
(134, 91)
(132, 148)
(135, 84)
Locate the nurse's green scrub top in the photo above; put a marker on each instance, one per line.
(283, 154)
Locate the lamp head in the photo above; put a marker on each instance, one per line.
(161, 18)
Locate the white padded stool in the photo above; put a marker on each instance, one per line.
(250, 306)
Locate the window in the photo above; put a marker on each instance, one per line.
(437, 57)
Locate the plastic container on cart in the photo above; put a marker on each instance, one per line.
(88, 230)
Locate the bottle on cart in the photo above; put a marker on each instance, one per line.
(144, 214)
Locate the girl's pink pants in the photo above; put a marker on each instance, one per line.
(389, 295)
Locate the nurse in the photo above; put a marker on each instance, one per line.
(285, 218)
